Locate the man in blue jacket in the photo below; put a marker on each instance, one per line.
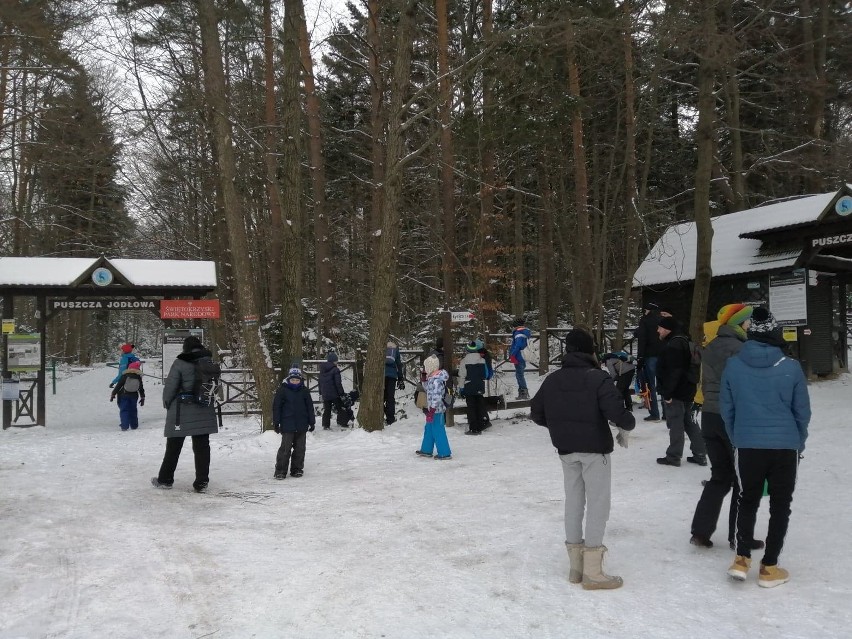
(520, 337)
(766, 409)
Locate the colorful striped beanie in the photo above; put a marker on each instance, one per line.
(734, 314)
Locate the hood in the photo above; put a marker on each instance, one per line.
(197, 354)
(579, 360)
(324, 367)
(726, 330)
(759, 354)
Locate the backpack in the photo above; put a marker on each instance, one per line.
(131, 384)
(206, 386)
(693, 373)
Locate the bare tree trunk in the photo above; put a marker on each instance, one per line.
(214, 88)
(815, 36)
(448, 216)
(291, 299)
(703, 173)
(374, 47)
(384, 283)
(485, 247)
(272, 191)
(631, 212)
(584, 269)
(316, 162)
(545, 259)
(518, 254)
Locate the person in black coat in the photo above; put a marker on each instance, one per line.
(648, 347)
(331, 391)
(575, 404)
(677, 392)
(293, 417)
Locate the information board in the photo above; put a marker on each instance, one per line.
(788, 299)
(173, 344)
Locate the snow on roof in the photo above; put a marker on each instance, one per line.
(673, 257)
(64, 271)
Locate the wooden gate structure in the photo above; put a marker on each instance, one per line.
(60, 284)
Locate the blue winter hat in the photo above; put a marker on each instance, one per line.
(331, 357)
(294, 372)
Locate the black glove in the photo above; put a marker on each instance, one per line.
(311, 428)
(640, 362)
(142, 402)
(277, 429)
(112, 398)
(112, 385)
(400, 384)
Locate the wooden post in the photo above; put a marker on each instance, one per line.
(447, 334)
(8, 313)
(543, 353)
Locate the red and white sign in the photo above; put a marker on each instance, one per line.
(189, 309)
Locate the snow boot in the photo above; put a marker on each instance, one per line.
(739, 569)
(771, 576)
(523, 393)
(157, 484)
(594, 577)
(575, 555)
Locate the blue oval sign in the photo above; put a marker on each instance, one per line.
(102, 276)
(844, 206)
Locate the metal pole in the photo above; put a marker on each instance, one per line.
(53, 373)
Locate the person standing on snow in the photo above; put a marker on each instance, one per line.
(129, 390)
(186, 418)
(473, 373)
(127, 356)
(435, 432)
(394, 379)
(678, 390)
(734, 320)
(575, 404)
(293, 417)
(648, 347)
(520, 337)
(766, 409)
(331, 391)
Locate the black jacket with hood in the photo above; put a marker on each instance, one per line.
(576, 402)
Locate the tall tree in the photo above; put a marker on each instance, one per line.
(214, 88)
(385, 263)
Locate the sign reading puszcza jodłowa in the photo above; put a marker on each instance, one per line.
(106, 303)
(831, 240)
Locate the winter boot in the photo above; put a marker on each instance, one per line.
(739, 569)
(575, 555)
(594, 577)
(771, 576)
(523, 393)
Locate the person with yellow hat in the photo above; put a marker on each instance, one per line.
(733, 321)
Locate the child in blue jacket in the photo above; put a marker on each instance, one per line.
(520, 337)
(293, 417)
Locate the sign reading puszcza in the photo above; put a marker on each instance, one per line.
(103, 304)
(831, 240)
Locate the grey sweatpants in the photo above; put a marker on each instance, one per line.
(587, 492)
(680, 425)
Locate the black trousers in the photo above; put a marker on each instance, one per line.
(390, 400)
(201, 450)
(622, 385)
(723, 478)
(326, 412)
(476, 413)
(291, 453)
(778, 468)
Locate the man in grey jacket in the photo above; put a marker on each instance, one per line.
(734, 320)
(186, 418)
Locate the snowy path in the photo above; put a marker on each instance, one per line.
(374, 542)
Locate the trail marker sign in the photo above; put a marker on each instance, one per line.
(461, 316)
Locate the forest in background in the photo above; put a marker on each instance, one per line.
(507, 157)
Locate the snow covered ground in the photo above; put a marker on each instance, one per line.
(375, 542)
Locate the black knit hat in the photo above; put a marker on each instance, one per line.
(577, 341)
(762, 321)
(191, 343)
(669, 323)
